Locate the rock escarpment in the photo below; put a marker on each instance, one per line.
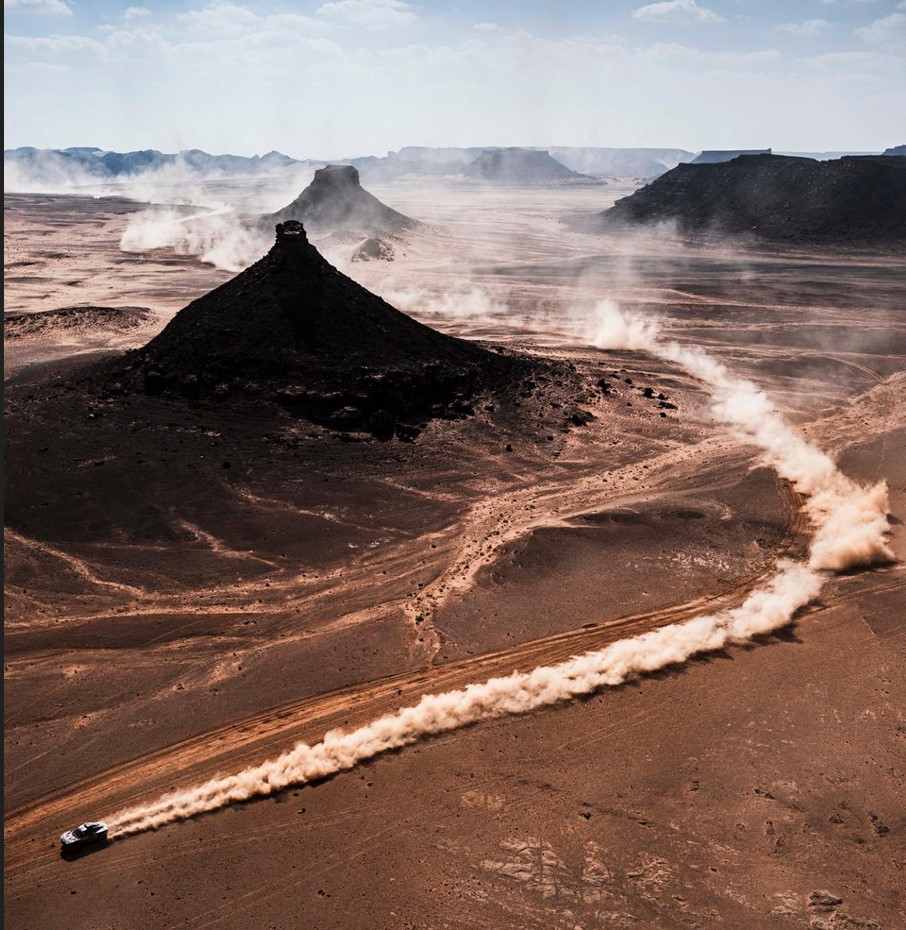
(849, 200)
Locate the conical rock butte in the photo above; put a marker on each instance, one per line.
(294, 328)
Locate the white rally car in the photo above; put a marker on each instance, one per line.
(87, 834)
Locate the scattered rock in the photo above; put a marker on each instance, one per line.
(823, 900)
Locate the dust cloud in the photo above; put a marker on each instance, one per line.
(849, 525)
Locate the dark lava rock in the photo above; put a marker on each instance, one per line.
(382, 424)
(348, 417)
(778, 197)
(154, 381)
(406, 432)
(823, 900)
(335, 201)
(320, 346)
(190, 385)
(580, 417)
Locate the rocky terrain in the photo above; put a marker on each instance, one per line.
(195, 581)
(850, 200)
(89, 319)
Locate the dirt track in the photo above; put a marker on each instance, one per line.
(251, 740)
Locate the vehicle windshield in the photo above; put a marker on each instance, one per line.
(80, 831)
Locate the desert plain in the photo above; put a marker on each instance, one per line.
(192, 588)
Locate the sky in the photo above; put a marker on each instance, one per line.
(345, 78)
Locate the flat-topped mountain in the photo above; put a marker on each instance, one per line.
(422, 161)
(852, 199)
(518, 166)
(335, 201)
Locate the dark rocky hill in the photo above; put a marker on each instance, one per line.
(848, 200)
(518, 166)
(335, 201)
(293, 328)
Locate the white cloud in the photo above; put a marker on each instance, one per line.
(811, 27)
(136, 12)
(852, 62)
(374, 14)
(888, 30)
(485, 27)
(676, 55)
(621, 92)
(37, 6)
(676, 11)
(53, 43)
(220, 18)
(294, 22)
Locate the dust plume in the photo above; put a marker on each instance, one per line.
(467, 302)
(217, 237)
(219, 232)
(849, 521)
(849, 524)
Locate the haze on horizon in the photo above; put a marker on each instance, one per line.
(354, 77)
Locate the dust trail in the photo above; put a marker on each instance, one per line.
(849, 523)
(849, 520)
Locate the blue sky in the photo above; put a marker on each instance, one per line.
(354, 77)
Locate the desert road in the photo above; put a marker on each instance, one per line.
(30, 833)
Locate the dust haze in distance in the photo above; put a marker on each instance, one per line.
(215, 232)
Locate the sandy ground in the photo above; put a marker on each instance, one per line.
(188, 592)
